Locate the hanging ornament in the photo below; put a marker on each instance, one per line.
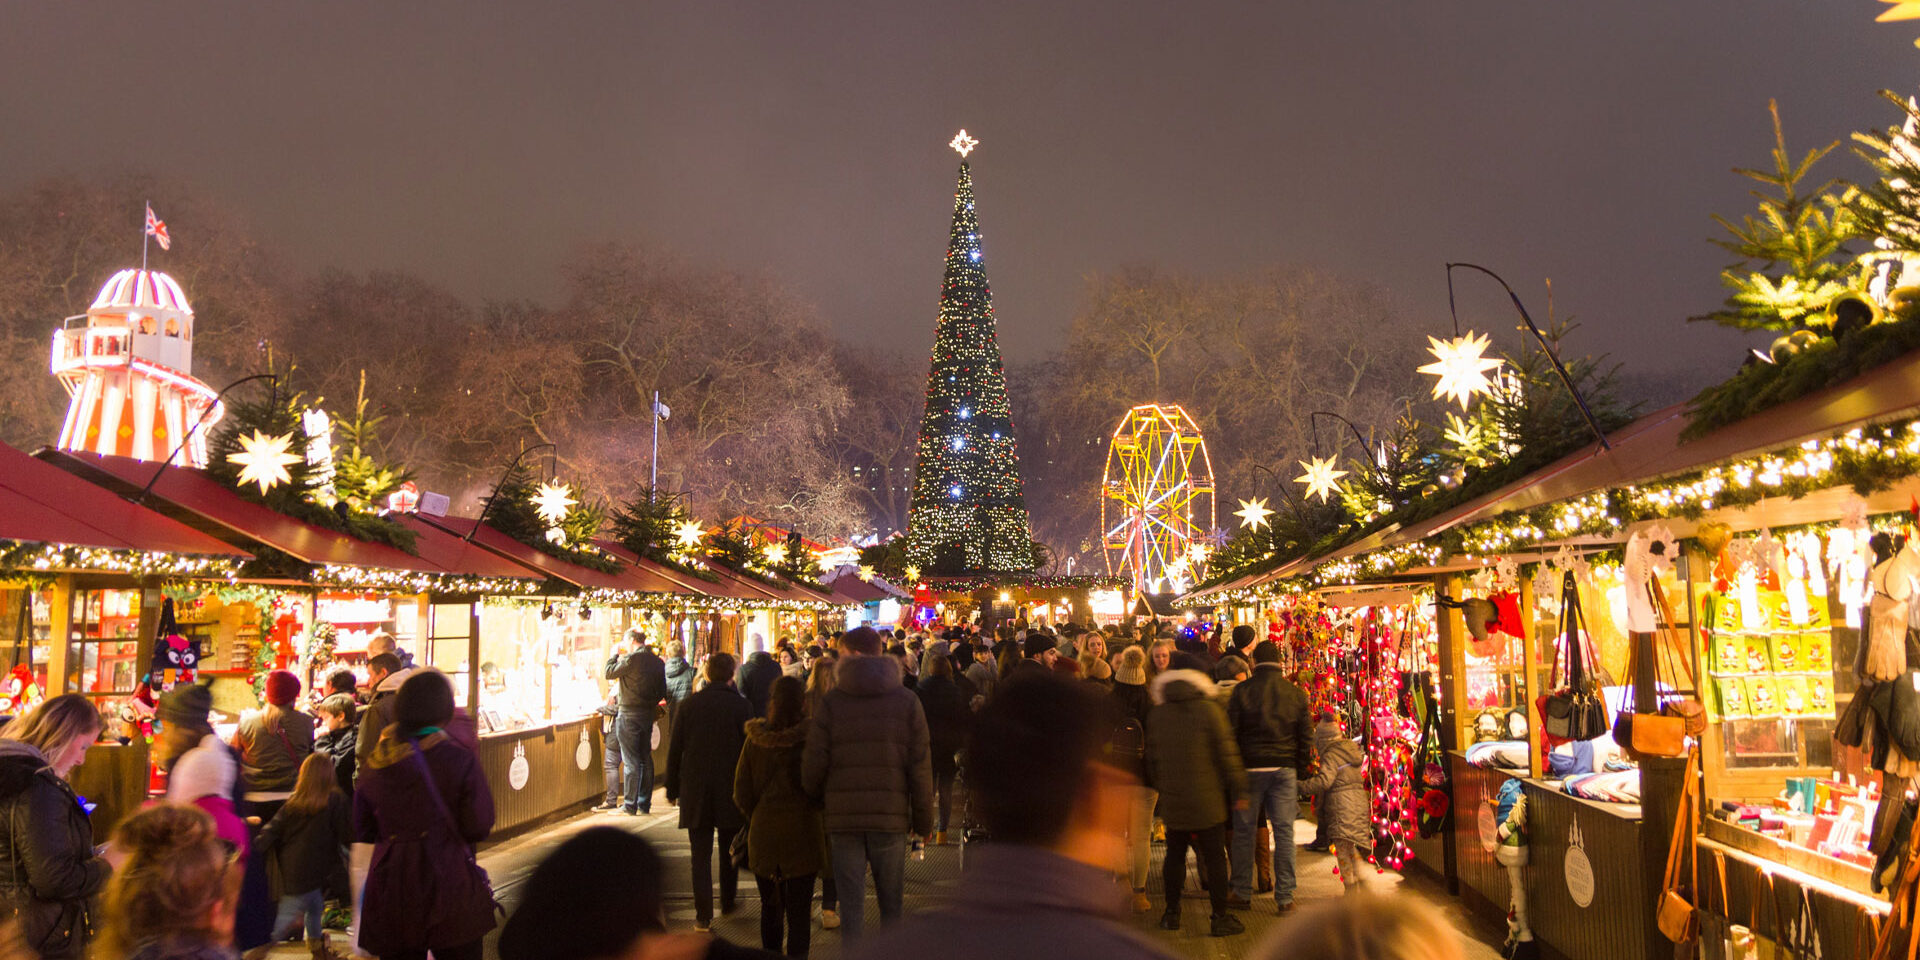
(553, 501)
(1320, 477)
(263, 460)
(866, 572)
(1253, 513)
(776, 554)
(1461, 366)
(913, 573)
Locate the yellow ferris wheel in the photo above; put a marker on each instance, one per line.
(1156, 499)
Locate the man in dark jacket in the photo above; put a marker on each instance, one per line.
(1271, 725)
(868, 759)
(756, 678)
(701, 759)
(642, 684)
(1044, 886)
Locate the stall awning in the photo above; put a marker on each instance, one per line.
(206, 504)
(624, 580)
(658, 578)
(41, 503)
(852, 589)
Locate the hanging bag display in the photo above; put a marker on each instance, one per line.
(1573, 711)
(1664, 732)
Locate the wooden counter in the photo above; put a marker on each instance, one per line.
(540, 771)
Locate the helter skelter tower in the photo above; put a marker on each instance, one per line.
(968, 511)
(128, 373)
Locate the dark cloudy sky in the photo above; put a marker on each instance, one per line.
(477, 142)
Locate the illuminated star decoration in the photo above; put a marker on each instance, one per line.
(963, 144)
(552, 501)
(688, 533)
(913, 573)
(1900, 10)
(263, 460)
(1319, 477)
(1253, 513)
(1461, 367)
(776, 553)
(866, 572)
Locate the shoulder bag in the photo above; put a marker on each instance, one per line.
(1676, 914)
(1573, 711)
(478, 886)
(1664, 732)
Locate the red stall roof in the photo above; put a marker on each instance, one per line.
(211, 505)
(628, 577)
(41, 503)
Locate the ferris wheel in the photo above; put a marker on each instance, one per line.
(1156, 499)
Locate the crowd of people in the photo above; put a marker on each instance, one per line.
(1060, 754)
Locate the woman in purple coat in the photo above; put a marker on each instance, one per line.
(422, 802)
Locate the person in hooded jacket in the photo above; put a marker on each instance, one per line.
(868, 760)
(755, 678)
(423, 802)
(680, 675)
(1193, 762)
(786, 836)
(949, 715)
(701, 759)
(49, 872)
(1342, 787)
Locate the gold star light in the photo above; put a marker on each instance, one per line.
(776, 554)
(688, 533)
(1900, 10)
(1253, 513)
(1319, 477)
(263, 460)
(913, 573)
(963, 144)
(1461, 367)
(552, 502)
(866, 572)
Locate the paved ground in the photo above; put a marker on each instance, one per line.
(512, 861)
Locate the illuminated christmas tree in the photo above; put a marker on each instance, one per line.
(968, 511)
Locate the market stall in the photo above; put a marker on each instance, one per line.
(79, 603)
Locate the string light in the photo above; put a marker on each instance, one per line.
(35, 557)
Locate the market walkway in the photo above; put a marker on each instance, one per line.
(510, 863)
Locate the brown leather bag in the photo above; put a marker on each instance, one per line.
(1664, 733)
(1676, 916)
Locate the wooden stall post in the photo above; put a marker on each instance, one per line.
(473, 656)
(1449, 626)
(60, 633)
(1530, 663)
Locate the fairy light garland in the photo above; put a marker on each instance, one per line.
(37, 557)
(1866, 458)
(417, 581)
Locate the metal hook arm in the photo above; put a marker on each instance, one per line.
(1552, 354)
(188, 438)
(495, 492)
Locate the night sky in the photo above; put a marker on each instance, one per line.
(477, 143)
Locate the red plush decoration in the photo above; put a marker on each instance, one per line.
(1435, 803)
(1506, 608)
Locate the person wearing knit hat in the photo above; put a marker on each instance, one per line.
(201, 770)
(1095, 670)
(273, 742)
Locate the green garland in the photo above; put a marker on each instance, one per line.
(1762, 386)
(512, 512)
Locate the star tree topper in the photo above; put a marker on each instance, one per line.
(1253, 513)
(963, 144)
(1320, 477)
(263, 460)
(552, 501)
(1461, 367)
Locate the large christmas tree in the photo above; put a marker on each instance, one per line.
(968, 511)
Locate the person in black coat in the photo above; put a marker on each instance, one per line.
(756, 679)
(949, 713)
(701, 758)
(642, 684)
(48, 869)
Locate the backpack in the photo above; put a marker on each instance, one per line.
(1128, 742)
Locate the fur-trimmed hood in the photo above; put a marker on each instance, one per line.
(1173, 685)
(869, 676)
(759, 735)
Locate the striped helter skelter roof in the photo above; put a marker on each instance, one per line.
(145, 291)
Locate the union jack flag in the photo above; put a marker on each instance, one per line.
(157, 229)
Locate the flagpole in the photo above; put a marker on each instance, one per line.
(144, 235)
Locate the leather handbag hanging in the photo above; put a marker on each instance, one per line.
(1676, 915)
(1662, 733)
(1573, 711)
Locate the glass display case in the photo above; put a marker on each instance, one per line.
(541, 663)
